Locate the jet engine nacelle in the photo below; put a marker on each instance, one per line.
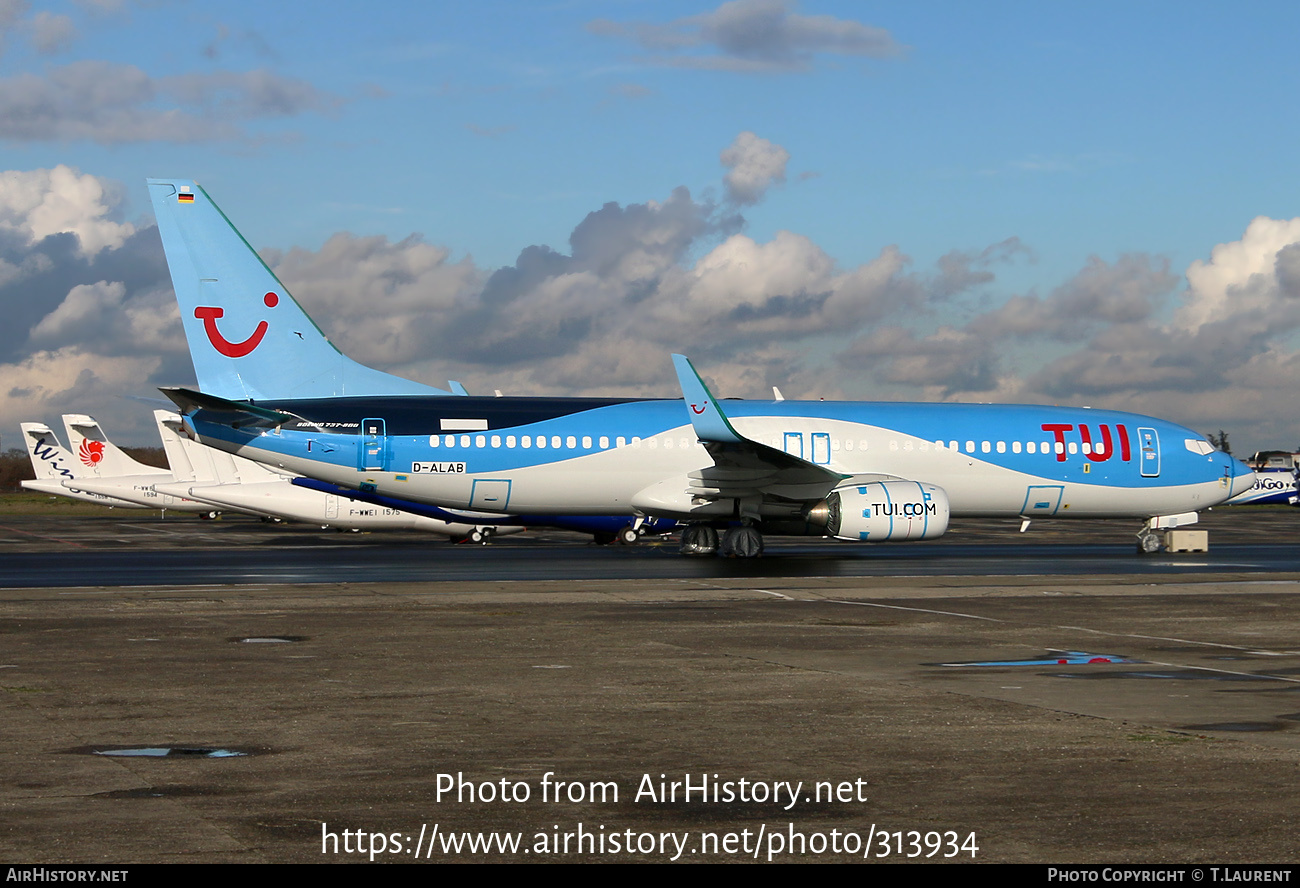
(887, 510)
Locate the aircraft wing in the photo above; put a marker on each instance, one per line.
(741, 466)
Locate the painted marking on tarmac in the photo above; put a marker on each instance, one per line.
(921, 610)
(43, 537)
(1231, 647)
(1058, 658)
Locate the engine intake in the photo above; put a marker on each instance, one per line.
(885, 510)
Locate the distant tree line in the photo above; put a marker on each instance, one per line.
(1220, 441)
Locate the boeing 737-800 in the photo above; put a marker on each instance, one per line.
(863, 471)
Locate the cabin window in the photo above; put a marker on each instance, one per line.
(835, 445)
(620, 441)
(1031, 447)
(907, 445)
(480, 440)
(668, 443)
(1002, 447)
(848, 444)
(1074, 448)
(555, 441)
(464, 440)
(984, 447)
(952, 445)
(433, 441)
(1015, 446)
(526, 441)
(496, 441)
(510, 442)
(970, 446)
(586, 442)
(893, 446)
(863, 444)
(450, 440)
(1087, 447)
(1060, 448)
(541, 442)
(652, 443)
(570, 442)
(636, 442)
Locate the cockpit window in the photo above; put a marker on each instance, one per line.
(1199, 445)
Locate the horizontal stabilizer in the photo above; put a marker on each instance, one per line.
(188, 400)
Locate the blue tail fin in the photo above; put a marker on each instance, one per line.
(248, 338)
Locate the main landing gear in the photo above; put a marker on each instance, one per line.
(699, 539)
(740, 541)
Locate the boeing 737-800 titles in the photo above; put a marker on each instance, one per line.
(273, 389)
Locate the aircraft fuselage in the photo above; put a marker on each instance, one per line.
(614, 456)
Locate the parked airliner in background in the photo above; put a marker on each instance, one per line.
(111, 472)
(218, 479)
(57, 469)
(851, 470)
(1272, 487)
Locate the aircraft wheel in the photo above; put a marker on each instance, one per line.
(1148, 543)
(480, 535)
(628, 536)
(699, 540)
(742, 542)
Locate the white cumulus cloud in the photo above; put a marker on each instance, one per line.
(38, 203)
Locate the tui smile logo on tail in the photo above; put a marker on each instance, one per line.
(209, 315)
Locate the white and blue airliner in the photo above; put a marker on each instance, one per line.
(271, 387)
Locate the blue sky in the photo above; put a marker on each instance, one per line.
(994, 201)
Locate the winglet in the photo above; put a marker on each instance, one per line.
(710, 423)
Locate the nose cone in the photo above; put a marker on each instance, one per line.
(1242, 477)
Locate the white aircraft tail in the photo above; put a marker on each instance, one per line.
(50, 460)
(178, 457)
(100, 457)
(197, 463)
